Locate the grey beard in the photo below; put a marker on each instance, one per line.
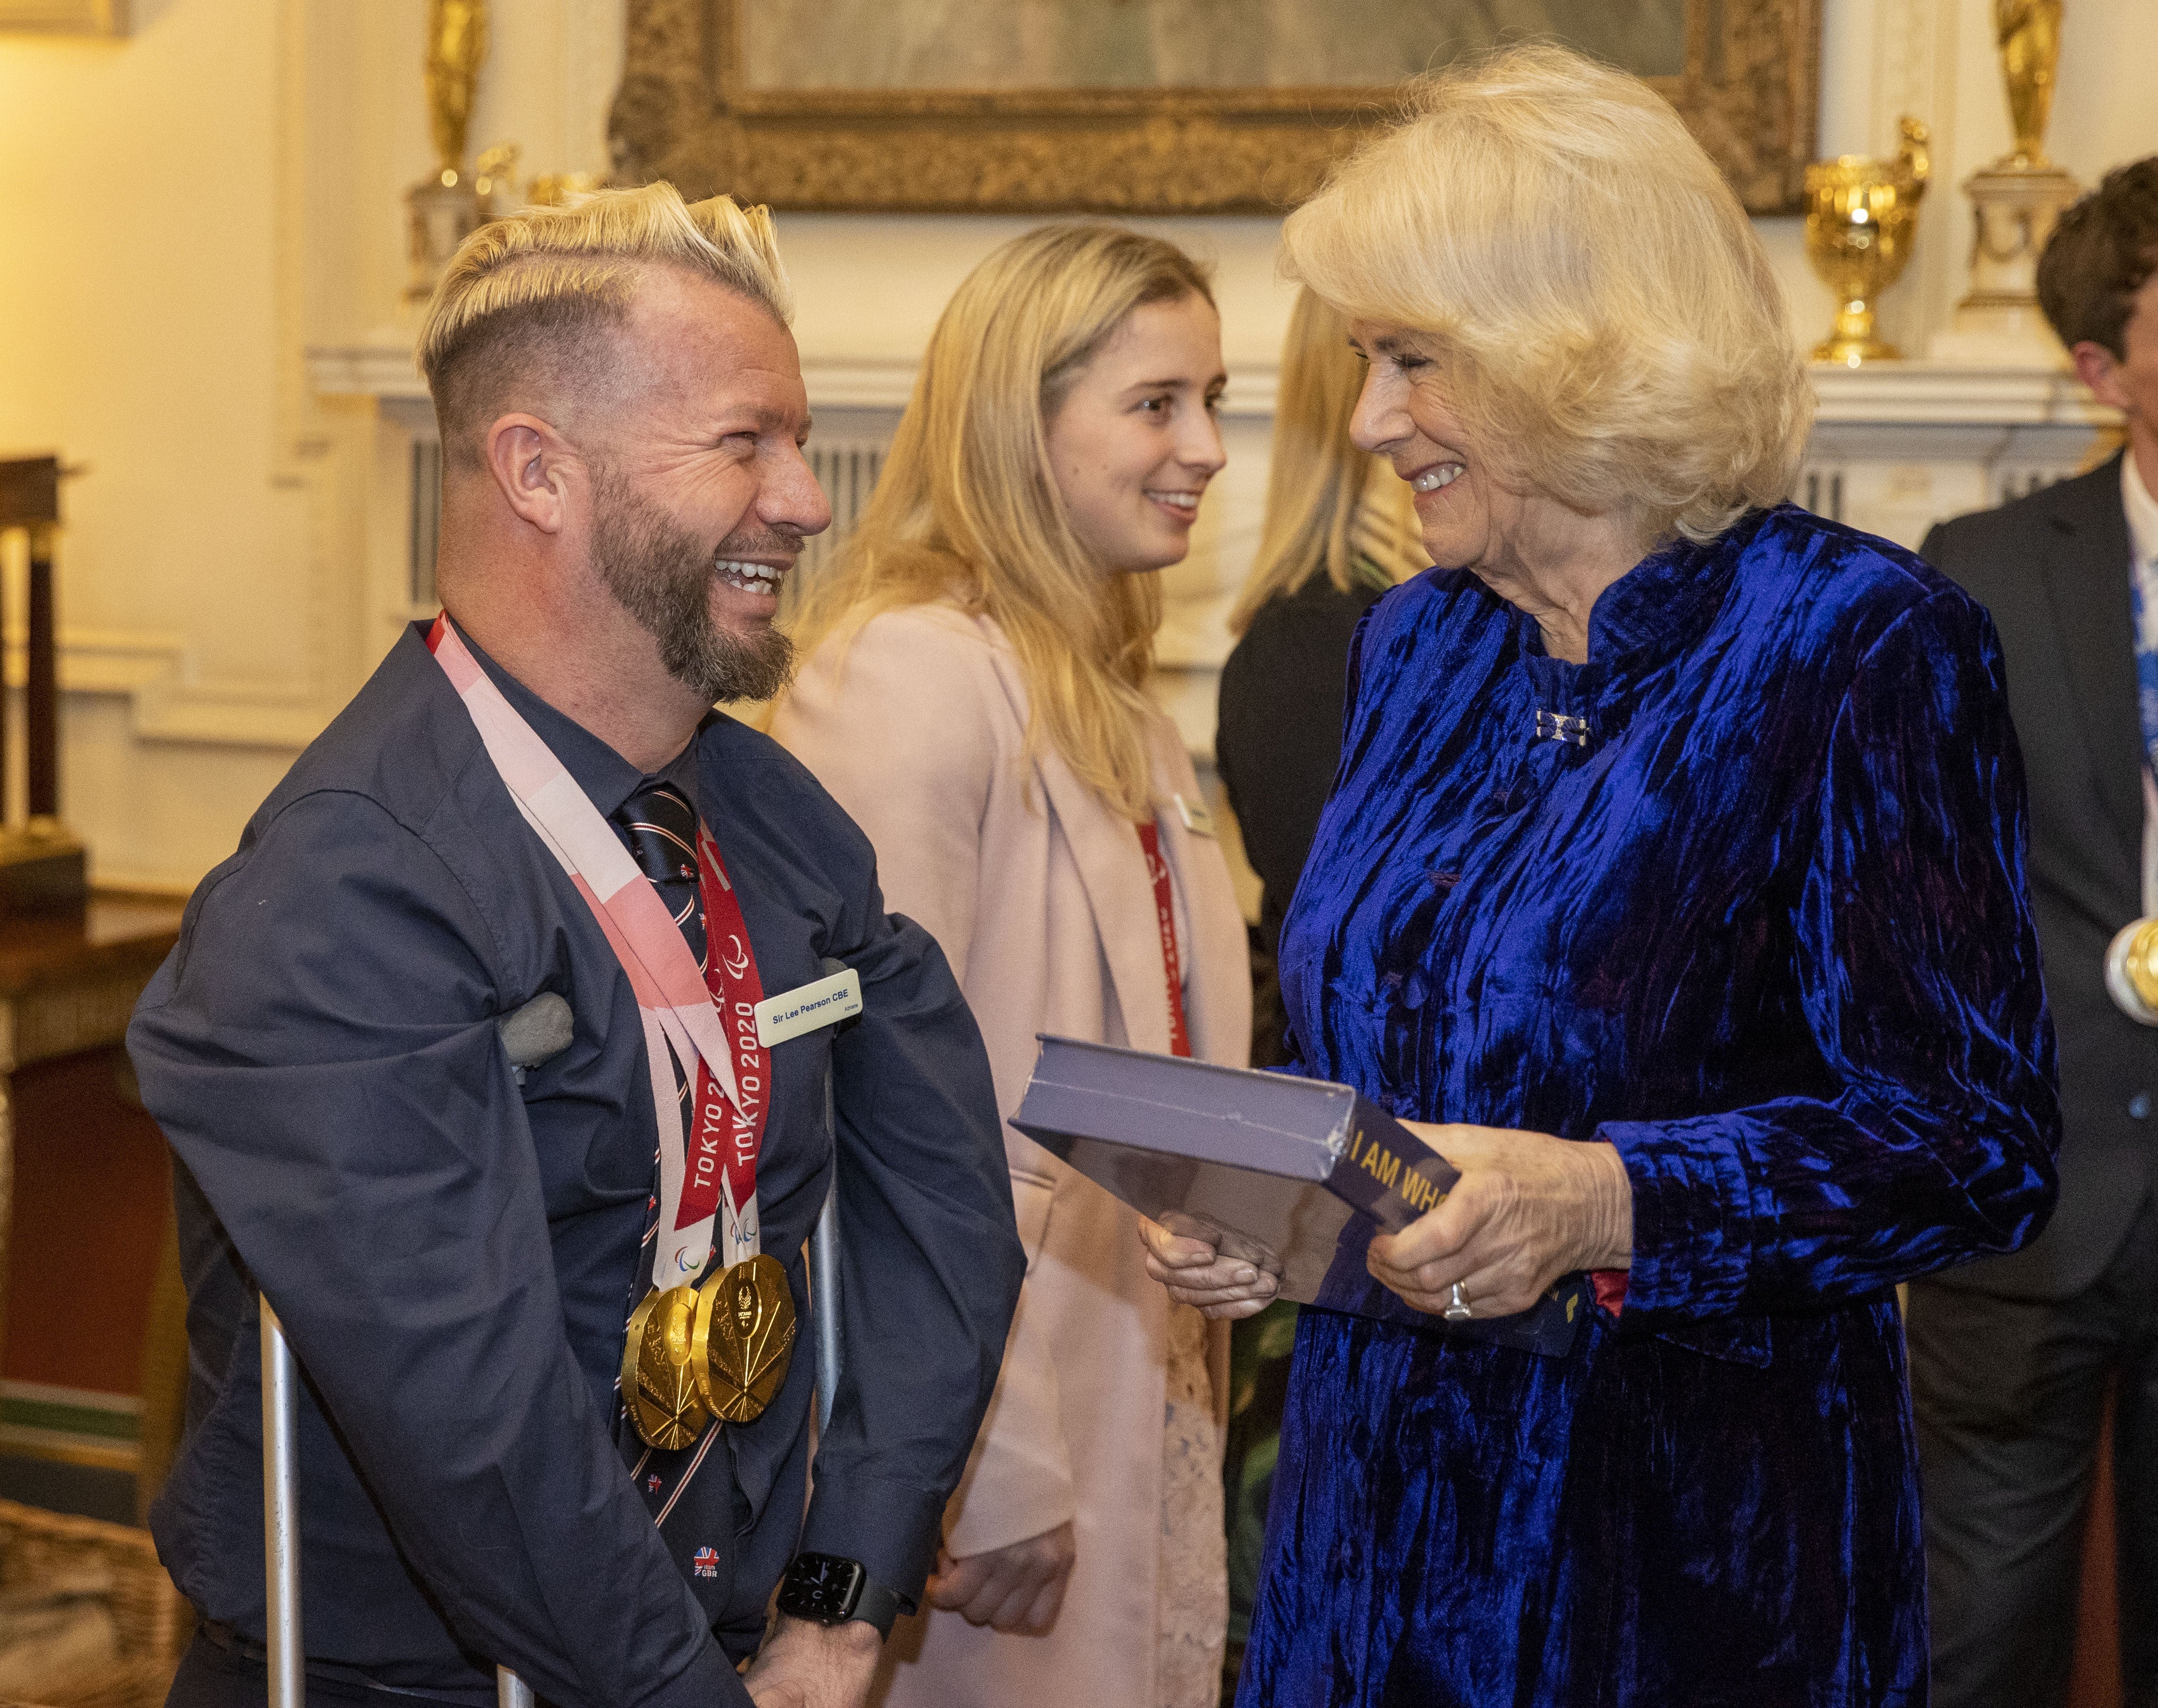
(663, 578)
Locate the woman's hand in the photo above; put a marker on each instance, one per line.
(1018, 1588)
(1196, 1274)
(1528, 1209)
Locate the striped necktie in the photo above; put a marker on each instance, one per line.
(660, 827)
(694, 1513)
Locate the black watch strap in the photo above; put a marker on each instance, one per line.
(880, 1606)
(832, 1590)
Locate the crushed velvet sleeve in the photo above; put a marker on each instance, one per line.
(1919, 969)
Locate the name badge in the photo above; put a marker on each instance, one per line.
(1198, 817)
(807, 1007)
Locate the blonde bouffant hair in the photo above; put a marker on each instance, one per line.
(526, 298)
(1331, 508)
(966, 505)
(1604, 320)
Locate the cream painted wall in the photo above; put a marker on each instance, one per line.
(182, 212)
(139, 326)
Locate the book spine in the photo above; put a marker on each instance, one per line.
(1386, 1172)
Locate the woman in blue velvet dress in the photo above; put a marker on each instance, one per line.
(1674, 872)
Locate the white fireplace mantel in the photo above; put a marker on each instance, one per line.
(1899, 446)
(1929, 411)
(1916, 393)
(1896, 447)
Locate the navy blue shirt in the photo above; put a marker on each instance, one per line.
(452, 1254)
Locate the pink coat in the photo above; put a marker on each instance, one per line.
(1042, 899)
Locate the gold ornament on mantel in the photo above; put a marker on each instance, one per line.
(448, 208)
(1860, 214)
(456, 46)
(2029, 32)
(2015, 205)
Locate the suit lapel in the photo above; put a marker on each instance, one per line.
(2086, 567)
(1112, 868)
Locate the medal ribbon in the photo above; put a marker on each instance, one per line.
(727, 1132)
(1172, 962)
(679, 1009)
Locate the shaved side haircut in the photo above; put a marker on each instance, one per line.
(528, 312)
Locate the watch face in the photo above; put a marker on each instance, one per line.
(822, 1586)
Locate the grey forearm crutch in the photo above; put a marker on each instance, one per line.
(281, 1530)
(538, 1031)
(281, 1514)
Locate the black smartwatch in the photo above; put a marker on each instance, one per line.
(830, 1591)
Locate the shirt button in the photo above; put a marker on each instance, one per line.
(2138, 1106)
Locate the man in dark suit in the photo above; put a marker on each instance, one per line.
(2011, 1358)
(535, 796)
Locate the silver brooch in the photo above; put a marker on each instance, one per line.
(1561, 727)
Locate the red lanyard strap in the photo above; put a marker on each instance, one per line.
(727, 1134)
(1171, 960)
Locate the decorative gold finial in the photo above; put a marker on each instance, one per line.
(456, 44)
(2029, 32)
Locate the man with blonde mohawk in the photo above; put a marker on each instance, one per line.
(544, 1295)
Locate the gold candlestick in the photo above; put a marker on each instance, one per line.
(1860, 213)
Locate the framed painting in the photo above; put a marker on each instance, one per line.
(1143, 106)
(64, 17)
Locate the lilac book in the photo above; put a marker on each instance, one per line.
(1293, 1175)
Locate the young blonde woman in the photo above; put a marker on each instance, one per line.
(972, 691)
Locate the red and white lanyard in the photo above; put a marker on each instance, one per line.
(712, 1028)
(727, 1132)
(1172, 958)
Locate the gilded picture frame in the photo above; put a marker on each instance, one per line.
(685, 112)
(64, 17)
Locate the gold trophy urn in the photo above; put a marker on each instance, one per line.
(446, 208)
(1860, 214)
(2015, 204)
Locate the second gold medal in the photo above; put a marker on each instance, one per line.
(658, 1384)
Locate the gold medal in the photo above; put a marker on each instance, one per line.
(657, 1383)
(743, 1339)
